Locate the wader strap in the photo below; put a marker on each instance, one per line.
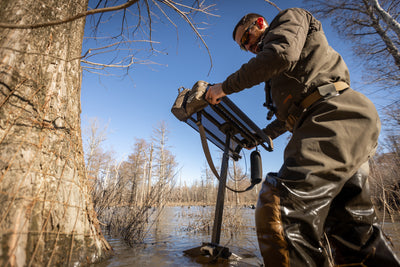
(323, 91)
(204, 144)
(206, 151)
(330, 89)
(268, 100)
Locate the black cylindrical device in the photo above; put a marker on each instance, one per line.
(256, 167)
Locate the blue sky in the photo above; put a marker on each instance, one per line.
(133, 105)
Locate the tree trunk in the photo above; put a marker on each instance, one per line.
(142, 191)
(149, 175)
(46, 212)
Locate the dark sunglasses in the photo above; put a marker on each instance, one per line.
(246, 37)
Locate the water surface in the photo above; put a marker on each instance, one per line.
(175, 232)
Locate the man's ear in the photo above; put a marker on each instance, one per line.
(260, 22)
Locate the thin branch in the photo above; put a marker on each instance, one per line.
(186, 18)
(123, 21)
(89, 51)
(150, 22)
(165, 14)
(117, 65)
(78, 16)
(386, 17)
(273, 4)
(197, 9)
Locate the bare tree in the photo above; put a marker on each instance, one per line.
(374, 32)
(386, 17)
(150, 170)
(385, 174)
(136, 164)
(94, 137)
(100, 164)
(209, 185)
(120, 199)
(46, 211)
(165, 160)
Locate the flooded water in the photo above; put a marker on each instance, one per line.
(172, 234)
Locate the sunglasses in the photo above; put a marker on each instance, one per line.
(246, 37)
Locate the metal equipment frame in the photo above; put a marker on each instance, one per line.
(228, 128)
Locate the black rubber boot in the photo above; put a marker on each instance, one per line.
(352, 227)
(291, 224)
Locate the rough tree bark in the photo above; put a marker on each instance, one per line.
(46, 213)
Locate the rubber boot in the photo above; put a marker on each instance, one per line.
(352, 228)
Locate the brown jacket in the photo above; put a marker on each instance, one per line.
(295, 56)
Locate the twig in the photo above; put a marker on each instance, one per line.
(273, 4)
(77, 16)
(186, 18)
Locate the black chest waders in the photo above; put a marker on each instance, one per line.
(316, 211)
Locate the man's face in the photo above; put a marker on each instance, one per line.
(247, 37)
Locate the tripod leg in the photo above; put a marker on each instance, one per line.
(219, 207)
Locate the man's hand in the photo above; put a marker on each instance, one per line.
(269, 142)
(214, 94)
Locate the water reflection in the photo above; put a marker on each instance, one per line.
(175, 232)
(392, 231)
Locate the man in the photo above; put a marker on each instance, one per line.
(322, 186)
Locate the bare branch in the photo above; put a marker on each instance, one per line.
(172, 5)
(273, 4)
(89, 51)
(144, 17)
(124, 40)
(165, 14)
(78, 16)
(197, 9)
(150, 21)
(386, 17)
(119, 64)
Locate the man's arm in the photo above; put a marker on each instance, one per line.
(275, 129)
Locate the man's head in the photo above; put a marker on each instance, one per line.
(248, 31)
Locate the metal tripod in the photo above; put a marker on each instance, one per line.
(227, 127)
(219, 206)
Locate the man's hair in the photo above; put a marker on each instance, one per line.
(246, 21)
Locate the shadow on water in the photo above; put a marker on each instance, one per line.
(174, 233)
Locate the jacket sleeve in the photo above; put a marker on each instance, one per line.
(281, 49)
(275, 129)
